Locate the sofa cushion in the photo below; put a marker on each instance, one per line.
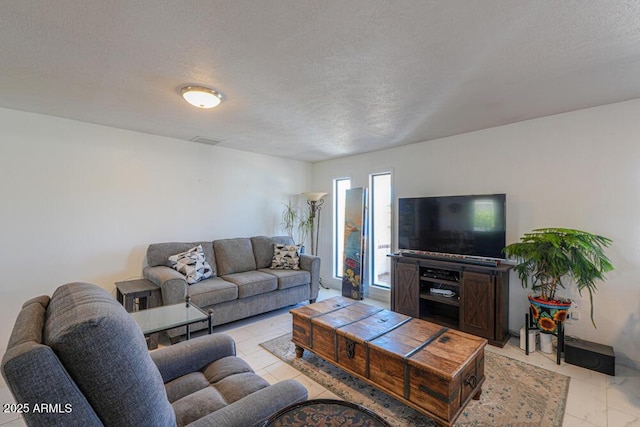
(235, 387)
(220, 383)
(252, 283)
(212, 291)
(234, 256)
(185, 385)
(197, 405)
(289, 278)
(263, 248)
(105, 353)
(159, 253)
(224, 367)
(286, 257)
(192, 264)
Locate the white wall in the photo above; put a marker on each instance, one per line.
(82, 202)
(578, 170)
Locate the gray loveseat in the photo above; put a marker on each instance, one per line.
(79, 359)
(243, 284)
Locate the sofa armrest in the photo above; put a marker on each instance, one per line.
(311, 263)
(192, 355)
(172, 283)
(256, 408)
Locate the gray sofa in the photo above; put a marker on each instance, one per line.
(79, 359)
(243, 284)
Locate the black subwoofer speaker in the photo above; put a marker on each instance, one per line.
(590, 355)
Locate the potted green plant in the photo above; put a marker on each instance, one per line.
(546, 257)
(289, 219)
(295, 223)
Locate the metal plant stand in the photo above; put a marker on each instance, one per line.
(530, 326)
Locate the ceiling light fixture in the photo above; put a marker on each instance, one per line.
(201, 97)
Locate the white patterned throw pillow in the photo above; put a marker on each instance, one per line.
(286, 257)
(192, 264)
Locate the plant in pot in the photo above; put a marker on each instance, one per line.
(546, 257)
(295, 223)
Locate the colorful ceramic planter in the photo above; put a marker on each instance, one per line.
(546, 313)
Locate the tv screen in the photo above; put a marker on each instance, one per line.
(460, 225)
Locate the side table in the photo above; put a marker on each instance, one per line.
(147, 295)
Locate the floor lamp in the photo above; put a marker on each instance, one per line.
(315, 202)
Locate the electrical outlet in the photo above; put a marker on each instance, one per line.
(575, 314)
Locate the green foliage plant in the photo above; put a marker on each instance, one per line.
(289, 218)
(295, 222)
(546, 256)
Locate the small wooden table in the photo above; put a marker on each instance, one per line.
(433, 369)
(146, 292)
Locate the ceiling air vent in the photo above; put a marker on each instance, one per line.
(207, 141)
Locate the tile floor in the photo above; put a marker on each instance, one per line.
(594, 399)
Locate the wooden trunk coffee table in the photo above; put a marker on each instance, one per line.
(433, 369)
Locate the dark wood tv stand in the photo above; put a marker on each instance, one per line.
(480, 301)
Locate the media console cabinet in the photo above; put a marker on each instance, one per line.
(473, 298)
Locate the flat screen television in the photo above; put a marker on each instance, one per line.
(471, 225)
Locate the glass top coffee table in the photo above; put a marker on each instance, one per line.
(167, 317)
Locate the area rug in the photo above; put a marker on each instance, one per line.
(514, 393)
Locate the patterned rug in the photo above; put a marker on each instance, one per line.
(514, 393)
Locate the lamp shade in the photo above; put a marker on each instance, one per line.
(201, 97)
(314, 197)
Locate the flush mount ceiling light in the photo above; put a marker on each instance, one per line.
(201, 97)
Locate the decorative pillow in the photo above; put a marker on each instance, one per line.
(192, 264)
(286, 257)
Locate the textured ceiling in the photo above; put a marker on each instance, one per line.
(314, 80)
